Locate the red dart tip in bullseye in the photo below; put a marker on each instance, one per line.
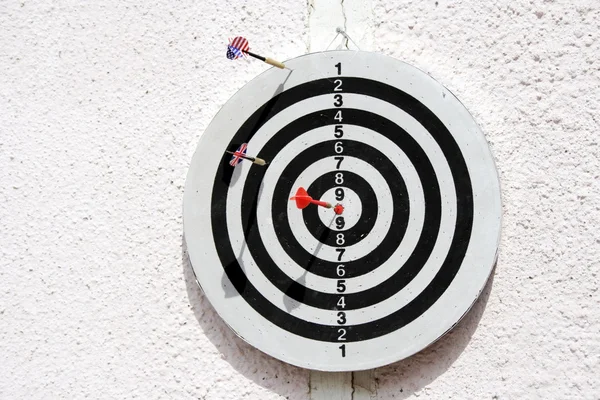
(303, 200)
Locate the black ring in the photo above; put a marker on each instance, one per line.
(368, 263)
(366, 219)
(451, 263)
(393, 237)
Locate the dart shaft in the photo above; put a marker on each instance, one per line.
(261, 58)
(267, 60)
(321, 203)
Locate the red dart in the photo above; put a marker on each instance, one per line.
(303, 200)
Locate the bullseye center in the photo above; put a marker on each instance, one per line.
(352, 208)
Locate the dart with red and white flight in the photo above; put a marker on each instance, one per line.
(239, 47)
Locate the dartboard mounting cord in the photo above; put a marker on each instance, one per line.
(342, 32)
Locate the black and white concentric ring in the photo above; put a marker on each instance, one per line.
(309, 106)
(356, 223)
(378, 219)
(415, 222)
(389, 298)
(298, 292)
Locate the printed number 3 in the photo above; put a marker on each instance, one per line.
(338, 100)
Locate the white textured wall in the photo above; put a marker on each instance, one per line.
(101, 108)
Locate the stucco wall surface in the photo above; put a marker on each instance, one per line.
(101, 108)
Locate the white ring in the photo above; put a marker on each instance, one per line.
(352, 203)
(382, 273)
(328, 285)
(306, 239)
(316, 282)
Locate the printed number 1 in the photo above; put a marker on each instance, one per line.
(339, 67)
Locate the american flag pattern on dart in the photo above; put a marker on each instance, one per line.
(235, 159)
(236, 47)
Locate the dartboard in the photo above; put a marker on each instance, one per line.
(370, 228)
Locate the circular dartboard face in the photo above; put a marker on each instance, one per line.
(330, 289)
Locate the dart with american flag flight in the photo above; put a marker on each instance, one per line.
(240, 154)
(240, 47)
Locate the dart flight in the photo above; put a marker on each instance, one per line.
(240, 154)
(240, 47)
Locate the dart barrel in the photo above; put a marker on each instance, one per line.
(274, 63)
